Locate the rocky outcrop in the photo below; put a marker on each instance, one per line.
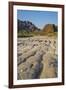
(49, 28)
(30, 27)
(27, 26)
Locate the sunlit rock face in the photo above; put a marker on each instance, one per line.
(49, 28)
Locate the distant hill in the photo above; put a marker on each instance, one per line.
(27, 26)
(28, 29)
(49, 28)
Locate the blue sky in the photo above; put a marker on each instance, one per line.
(39, 18)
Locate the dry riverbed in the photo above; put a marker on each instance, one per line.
(37, 57)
